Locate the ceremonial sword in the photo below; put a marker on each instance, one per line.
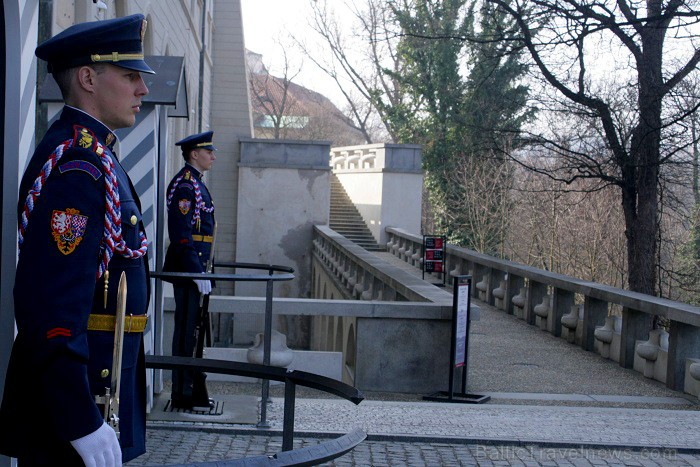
(111, 397)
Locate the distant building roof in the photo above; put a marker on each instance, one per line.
(297, 112)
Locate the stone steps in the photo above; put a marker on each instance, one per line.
(346, 219)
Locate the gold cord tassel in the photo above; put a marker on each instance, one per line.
(106, 278)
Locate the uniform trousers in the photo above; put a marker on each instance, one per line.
(187, 384)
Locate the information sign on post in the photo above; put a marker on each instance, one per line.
(462, 323)
(459, 347)
(434, 255)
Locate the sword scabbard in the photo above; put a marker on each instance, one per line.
(111, 397)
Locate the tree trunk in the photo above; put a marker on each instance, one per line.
(642, 223)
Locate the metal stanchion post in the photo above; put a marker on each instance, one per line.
(266, 356)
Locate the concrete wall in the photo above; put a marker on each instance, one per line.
(404, 349)
(284, 190)
(403, 355)
(386, 346)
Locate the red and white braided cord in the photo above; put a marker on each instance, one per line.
(199, 204)
(113, 239)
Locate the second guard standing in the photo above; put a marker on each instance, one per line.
(191, 230)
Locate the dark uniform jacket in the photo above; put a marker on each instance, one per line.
(57, 365)
(190, 239)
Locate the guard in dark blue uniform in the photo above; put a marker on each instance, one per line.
(191, 230)
(79, 228)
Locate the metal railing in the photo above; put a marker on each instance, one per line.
(275, 273)
(290, 378)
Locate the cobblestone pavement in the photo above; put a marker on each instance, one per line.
(192, 446)
(522, 423)
(438, 434)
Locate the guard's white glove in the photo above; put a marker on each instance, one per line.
(203, 285)
(100, 448)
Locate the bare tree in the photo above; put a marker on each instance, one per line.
(573, 230)
(359, 68)
(479, 202)
(568, 40)
(284, 109)
(272, 98)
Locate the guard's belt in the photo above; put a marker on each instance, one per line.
(106, 323)
(202, 238)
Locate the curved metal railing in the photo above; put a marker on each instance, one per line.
(291, 379)
(275, 273)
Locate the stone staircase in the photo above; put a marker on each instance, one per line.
(347, 221)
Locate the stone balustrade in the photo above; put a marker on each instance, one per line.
(376, 157)
(526, 288)
(692, 376)
(651, 355)
(361, 275)
(607, 337)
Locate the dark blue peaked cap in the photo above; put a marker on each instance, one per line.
(116, 41)
(200, 140)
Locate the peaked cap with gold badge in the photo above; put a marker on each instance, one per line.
(200, 140)
(116, 41)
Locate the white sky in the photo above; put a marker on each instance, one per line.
(268, 22)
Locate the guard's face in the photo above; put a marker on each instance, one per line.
(203, 159)
(118, 94)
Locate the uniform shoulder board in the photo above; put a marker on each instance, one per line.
(84, 138)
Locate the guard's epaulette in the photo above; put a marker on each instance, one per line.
(84, 138)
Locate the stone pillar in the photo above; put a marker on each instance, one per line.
(684, 343)
(635, 326)
(537, 293)
(594, 313)
(226, 110)
(561, 304)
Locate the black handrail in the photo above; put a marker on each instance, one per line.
(270, 278)
(222, 277)
(267, 267)
(291, 378)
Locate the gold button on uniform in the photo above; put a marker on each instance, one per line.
(104, 373)
(200, 253)
(133, 220)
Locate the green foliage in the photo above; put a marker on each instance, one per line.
(457, 117)
(497, 101)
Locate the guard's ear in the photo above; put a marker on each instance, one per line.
(85, 77)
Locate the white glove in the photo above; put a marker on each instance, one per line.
(100, 448)
(203, 285)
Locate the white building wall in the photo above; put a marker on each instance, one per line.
(20, 30)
